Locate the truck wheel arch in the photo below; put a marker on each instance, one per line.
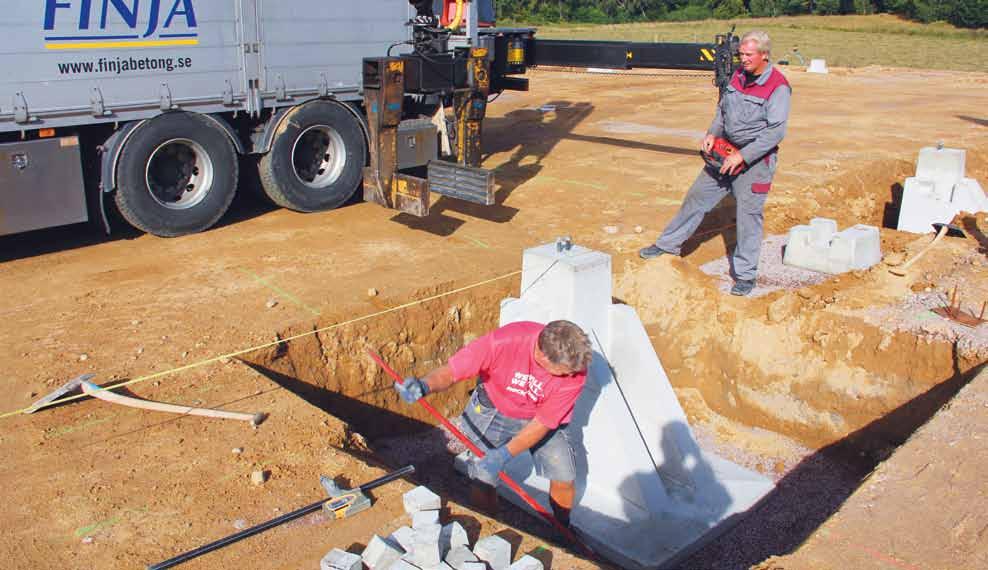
(274, 123)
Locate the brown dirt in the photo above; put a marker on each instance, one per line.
(800, 384)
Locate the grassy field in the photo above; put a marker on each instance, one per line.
(844, 41)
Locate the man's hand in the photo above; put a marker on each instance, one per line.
(412, 390)
(732, 163)
(485, 470)
(708, 143)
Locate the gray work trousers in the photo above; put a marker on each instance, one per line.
(750, 189)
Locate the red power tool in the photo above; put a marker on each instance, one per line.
(719, 153)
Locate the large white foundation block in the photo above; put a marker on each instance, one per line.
(646, 494)
(817, 66)
(820, 247)
(939, 191)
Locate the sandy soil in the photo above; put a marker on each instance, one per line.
(814, 386)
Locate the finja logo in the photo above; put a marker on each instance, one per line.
(109, 13)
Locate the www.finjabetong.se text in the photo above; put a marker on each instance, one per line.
(125, 64)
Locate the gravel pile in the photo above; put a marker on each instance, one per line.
(773, 275)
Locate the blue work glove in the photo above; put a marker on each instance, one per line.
(485, 470)
(412, 389)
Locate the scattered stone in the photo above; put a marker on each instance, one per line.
(272, 303)
(781, 309)
(610, 229)
(140, 350)
(495, 551)
(424, 518)
(240, 524)
(135, 322)
(372, 292)
(526, 563)
(453, 535)
(259, 477)
(87, 540)
(459, 556)
(185, 354)
(405, 537)
(639, 229)
(83, 357)
(238, 450)
(894, 258)
(337, 559)
(426, 551)
(421, 499)
(380, 554)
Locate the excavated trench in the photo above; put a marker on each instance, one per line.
(801, 384)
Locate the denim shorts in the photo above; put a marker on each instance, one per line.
(489, 428)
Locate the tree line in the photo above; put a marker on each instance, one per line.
(962, 13)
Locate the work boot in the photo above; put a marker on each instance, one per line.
(651, 251)
(743, 287)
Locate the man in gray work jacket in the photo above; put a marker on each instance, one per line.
(752, 115)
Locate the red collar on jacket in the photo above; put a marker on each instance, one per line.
(764, 90)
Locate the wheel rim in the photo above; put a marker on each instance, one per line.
(179, 174)
(318, 156)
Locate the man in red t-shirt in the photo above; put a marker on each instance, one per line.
(530, 376)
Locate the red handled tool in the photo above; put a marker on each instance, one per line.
(719, 153)
(479, 453)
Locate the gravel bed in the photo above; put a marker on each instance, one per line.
(773, 275)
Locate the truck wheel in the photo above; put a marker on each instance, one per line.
(316, 160)
(176, 175)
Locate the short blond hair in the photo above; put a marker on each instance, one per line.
(761, 39)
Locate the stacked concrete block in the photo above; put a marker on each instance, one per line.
(820, 247)
(380, 554)
(403, 565)
(939, 191)
(425, 518)
(337, 559)
(495, 551)
(404, 537)
(421, 499)
(526, 563)
(474, 566)
(459, 556)
(426, 551)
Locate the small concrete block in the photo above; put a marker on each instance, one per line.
(454, 535)
(526, 563)
(816, 247)
(403, 565)
(381, 554)
(421, 499)
(817, 66)
(495, 551)
(440, 566)
(405, 537)
(426, 551)
(337, 559)
(425, 518)
(474, 566)
(458, 556)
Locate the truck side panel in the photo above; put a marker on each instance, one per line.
(312, 46)
(71, 62)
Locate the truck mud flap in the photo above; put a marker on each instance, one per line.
(462, 182)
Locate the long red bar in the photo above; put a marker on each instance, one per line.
(479, 453)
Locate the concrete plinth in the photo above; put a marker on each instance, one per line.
(646, 493)
(820, 247)
(939, 191)
(817, 66)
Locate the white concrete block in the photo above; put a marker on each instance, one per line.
(819, 248)
(421, 499)
(440, 566)
(380, 554)
(425, 518)
(495, 551)
(939, 191)
(459, 555)
(426, 551)
(647, 491)
(337, 559)
(817, 66)
(405, 537)
(526, 563)
(474, 566)
(453, 535)
(403, 565)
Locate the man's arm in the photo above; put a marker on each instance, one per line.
(717, 127)
(440, 379)
(777, 110)
(532, 433)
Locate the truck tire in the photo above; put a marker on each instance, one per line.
(176, 175)
(316, 159)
